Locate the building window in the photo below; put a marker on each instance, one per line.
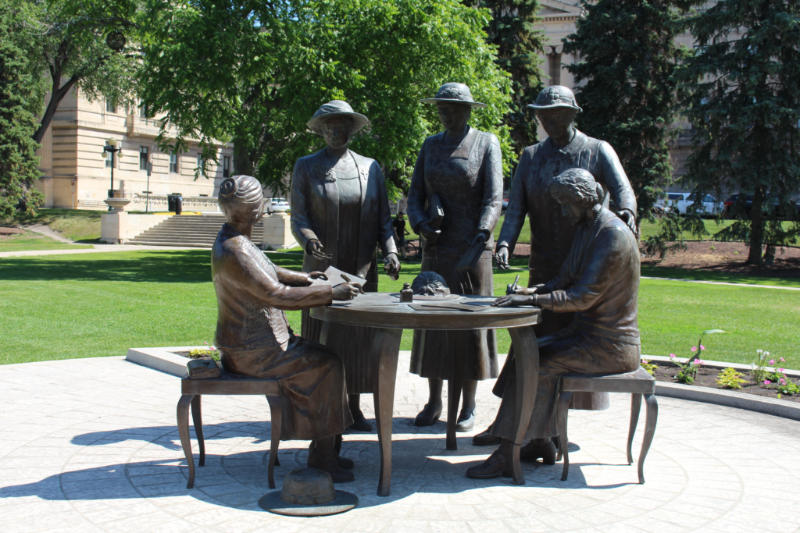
(173, 163)
(144, 157)
(111, 106)
(201, 162)
(554, 66)
(143, 111)
(226, 166)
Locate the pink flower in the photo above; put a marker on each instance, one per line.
(694, 348)
(772, 361)
(697, 362)
(782, 381)
(702, 347)
(767, 382)
(782, 360)
(672, 356)
(781, 370)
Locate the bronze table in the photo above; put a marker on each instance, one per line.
(385, 313)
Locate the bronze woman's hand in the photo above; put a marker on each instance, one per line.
(391, 264)
(346, 291)
(317, 250)
(512, 300)
(501, 256)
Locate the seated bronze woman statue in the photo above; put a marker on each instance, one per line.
(254, 337)
(599, 282)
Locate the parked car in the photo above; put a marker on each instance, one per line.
(740, 205)
(683, 203)
(278, 205)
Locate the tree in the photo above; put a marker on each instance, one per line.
(79, 43)
(628, 58)
(19, 98)
(743, 103)
(255, 72)
(519, 47)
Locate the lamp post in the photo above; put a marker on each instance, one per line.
(111, 149)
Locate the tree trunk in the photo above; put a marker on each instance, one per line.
(56, 94)
(756, 228)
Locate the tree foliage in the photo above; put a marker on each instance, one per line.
(70, 42)
(19, 99)
(255, 72)
(519, 47)
(627, 62)
(743, 102)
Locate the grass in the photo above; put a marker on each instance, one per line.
(87, 305)
(33, 241)
(79, 225)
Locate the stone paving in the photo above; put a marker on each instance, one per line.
(91, 445)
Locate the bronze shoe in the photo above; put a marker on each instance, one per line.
(428, 416)
(495, 465)
(485, 438)
(543, 449)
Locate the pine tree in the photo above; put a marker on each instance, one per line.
(18, 99)
(627, 62)
(519, 48)
(744, 105)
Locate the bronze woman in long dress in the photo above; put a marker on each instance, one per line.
(340, 215)
(253, 334)
(599, 283)
(454, 202)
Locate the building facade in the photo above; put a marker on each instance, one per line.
(77, 171)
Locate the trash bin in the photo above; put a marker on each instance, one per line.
(175, 203)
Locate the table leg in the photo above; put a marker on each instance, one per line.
(388, 341)
(453, 396)
(526, 359)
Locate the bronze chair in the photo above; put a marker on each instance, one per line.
(191, 392)
(637, 383)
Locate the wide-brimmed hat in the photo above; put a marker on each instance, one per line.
(336, 108)
(555, 96)
(454, 92)
(308, 492)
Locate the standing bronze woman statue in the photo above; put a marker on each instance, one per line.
(454, 203)
(254, 336)
(340, 215)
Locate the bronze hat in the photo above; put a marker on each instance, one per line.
(555, 96)
(308, 492)
(336, 108)
(454, 92)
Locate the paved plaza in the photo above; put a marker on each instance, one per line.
(92, 445)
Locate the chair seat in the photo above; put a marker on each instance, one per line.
(192, 390)
(230, 384)
(638, 381)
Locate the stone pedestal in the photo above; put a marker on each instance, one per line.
(277, 232)
(118, 227)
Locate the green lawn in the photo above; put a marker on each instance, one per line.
(33, 241)
(75, 224)
(88, 305)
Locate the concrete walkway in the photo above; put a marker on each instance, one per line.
(91, 445)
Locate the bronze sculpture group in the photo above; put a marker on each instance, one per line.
(583, 270)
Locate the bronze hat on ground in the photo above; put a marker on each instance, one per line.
(308, 492)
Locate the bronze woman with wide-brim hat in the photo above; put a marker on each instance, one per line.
(340, 215)
(454, 203)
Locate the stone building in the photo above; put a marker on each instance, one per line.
(76, 171)
(558, 20)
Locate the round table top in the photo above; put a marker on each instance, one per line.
(453, 312)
